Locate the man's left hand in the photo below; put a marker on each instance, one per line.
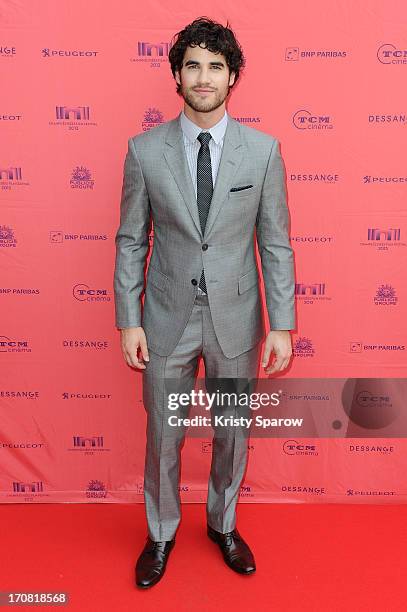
(278, 341)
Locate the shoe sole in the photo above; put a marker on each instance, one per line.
(242, 572)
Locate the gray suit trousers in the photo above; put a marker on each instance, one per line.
(163, 450)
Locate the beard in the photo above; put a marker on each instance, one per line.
(203, 105)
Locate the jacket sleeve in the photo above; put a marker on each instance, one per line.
(131, 242)
(277, 257)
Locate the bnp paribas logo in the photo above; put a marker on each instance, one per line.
(81, 178)
(7, 238)
(390, 54)
(303, 347)
(306, 120)
(385, 296)
(152, 118)
(96, 488)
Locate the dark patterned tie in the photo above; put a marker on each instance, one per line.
(204, 187)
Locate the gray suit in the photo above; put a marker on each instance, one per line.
(157, 184)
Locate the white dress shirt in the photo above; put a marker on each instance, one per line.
(192, 145)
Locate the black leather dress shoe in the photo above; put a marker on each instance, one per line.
(236, 552)
(151, 564)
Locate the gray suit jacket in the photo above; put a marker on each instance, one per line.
(157, 184)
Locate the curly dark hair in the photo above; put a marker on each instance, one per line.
(215, 37)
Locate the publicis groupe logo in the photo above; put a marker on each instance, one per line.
(293, 447)
(7, 238)
(84, 293)
(88, 444)
(12, 345)
(390, 54)
(81, 178)
(153, 53)
(383, 238)
(152, 118)
(379, 180)
(11, 177)
(303, 347)
(59, 236)
(306, 120)
(6, 51)
(46, 52)
(312, 239)
(385, 296)
(356, 346)
(316, 177)
(309, 293)
(96, 489)
(293, 54)
(73, 117)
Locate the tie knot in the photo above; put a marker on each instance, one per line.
(204, 138)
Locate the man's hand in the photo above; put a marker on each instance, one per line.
(278, 341)
(133, 339)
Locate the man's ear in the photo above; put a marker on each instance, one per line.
(177, 78)
(232, 78)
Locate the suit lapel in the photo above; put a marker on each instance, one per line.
(231, 158)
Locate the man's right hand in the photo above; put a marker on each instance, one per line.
(134, 339)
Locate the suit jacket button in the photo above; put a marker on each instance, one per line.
(204, 247)
(194, 281)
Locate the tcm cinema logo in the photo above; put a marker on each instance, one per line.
(88, 445)
(11, 177)
(293, 54)
(152, 53)
(8, 345)
(246, 491)
(361, 347)
(58, 236)
(316, 177)
(84, 343)
(83, 293)
(305, 120)
(67, 53)
(7, 238)
(6, 51)
(152, 118)
(303, 347)
(389, 54)
(72, 117)
(377, 180)
(293, 447)
(311, 293)
(383, 238)
(28, 490)
(385, 296)
(96, 489)
(81, 178)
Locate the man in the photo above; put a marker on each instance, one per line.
(210, 185)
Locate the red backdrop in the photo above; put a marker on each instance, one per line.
(329, 81)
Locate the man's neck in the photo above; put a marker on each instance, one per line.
(205, 120)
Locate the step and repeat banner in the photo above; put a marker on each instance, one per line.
(78, 79)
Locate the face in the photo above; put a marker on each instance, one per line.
(204, 79)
